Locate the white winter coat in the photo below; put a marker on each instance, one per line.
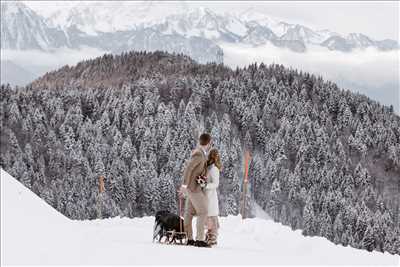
(211, 190)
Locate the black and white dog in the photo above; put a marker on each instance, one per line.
(164, 223)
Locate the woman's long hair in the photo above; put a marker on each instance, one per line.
(214, 158)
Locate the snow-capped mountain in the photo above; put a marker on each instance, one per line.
(325, 34)
(249, 27)
(255, 17)
(387, 44)
(100, 24)
(302, 33)
(238, 28)
(357, 40)
(258, 35)
(22, 28)
(111, 16)
(148, 39)
(202, 22)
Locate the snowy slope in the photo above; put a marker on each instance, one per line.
(34, 233)
(32, 228)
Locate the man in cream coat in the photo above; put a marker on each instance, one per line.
(197, 200)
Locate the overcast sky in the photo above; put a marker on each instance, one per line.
(379, 20)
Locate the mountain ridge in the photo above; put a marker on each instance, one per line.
(91, 21)
(33, 32)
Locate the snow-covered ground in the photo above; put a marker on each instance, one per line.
(33, 233)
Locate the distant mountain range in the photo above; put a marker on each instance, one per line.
(23, 29)
(148, 26)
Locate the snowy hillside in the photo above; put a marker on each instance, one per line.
(34, 233)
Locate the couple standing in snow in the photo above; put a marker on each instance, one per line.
(201, 198)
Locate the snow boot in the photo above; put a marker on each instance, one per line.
(190, 242)
(202, 244)
(211, 238)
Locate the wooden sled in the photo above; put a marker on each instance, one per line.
(175, 238)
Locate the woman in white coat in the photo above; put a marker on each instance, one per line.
(214, 167)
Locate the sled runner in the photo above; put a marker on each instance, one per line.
(176, 238)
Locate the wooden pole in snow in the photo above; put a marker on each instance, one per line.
(245, 182)
(101, 184)
(101, 190)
